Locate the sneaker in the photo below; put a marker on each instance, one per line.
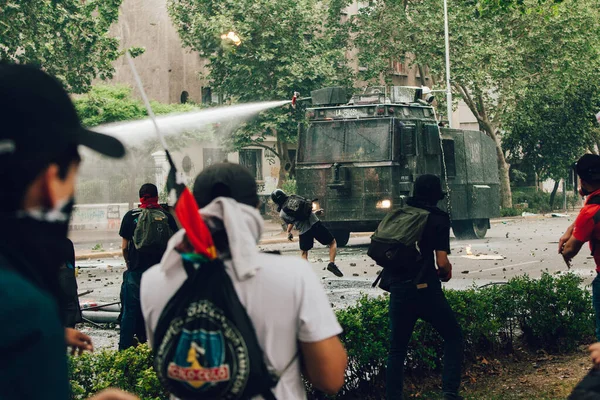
(334, 270)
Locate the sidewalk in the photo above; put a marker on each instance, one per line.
(110, 241)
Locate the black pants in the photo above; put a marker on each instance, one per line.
(132, 321)
(407, 304)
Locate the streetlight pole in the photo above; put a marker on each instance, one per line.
(448, 87)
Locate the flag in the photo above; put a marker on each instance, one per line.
(188, 213)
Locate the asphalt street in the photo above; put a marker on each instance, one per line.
(511, 248)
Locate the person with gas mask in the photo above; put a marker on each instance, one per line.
(586, 227)
(39, 160)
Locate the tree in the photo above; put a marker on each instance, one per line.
(286, 46)
(106, 104)
(552, 127)
(68, 38)
(495, 56)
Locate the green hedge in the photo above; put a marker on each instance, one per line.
(553, 313)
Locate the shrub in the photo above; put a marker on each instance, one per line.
(510, 212)
(289, 186)
(129, 370)
(554, 313)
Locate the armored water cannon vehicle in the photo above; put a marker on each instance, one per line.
(360, 157)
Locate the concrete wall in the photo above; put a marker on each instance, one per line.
(166, 68)
(98, 216)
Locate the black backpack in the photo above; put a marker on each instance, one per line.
(298, 207)
(205, 343)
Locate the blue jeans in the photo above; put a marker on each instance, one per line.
(132, 321)
(596, 303)
(407, 304)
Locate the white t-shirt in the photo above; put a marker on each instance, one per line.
(285, 301)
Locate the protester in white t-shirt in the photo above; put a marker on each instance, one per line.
(294, 323)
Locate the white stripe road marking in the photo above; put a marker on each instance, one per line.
(506, 266)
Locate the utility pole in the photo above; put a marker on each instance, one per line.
(448, 87)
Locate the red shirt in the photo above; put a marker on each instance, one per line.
(586, 229)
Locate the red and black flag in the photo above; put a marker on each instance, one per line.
(188, 213)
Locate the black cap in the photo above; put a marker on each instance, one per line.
(428, 187)
(588, 168)
(39, 121)
(226, 180)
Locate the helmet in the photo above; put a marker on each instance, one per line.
(279, 197)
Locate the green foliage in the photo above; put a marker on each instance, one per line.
(114, 103)
(286, 46)
(510, 212)
(551, 127)
(552, 313)
(68, 38)
(289, 186)
(130, 370)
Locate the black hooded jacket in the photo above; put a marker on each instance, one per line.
(33, 362)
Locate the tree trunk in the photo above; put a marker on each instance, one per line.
(478, 108)
(284, 159)
(553, 194)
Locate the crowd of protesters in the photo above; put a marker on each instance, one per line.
(267, 314)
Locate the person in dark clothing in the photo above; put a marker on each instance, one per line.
(70, 311)
(310, 229)
(132, 321)
(416, 293)
(39, 161)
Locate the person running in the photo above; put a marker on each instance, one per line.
(586, 227)
(295, 326)
(139, 257)
(416, 293)
(310, 229)
(39, 161)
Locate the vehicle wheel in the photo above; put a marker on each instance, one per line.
(341, 237)
(470, 228)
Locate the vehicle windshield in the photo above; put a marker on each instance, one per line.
(339, 141)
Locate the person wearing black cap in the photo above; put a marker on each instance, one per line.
(310, 229)
(39, 160)
(586, 227)
(416, 293)
(282, 295)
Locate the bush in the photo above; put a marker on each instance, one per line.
(114, 103)
(130, 370)
(510, 212)
(289, 186)
(552, 313)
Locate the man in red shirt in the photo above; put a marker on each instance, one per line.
(586, 227)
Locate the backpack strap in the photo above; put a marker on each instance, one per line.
(596, 201)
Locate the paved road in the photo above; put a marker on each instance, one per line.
(525, 246)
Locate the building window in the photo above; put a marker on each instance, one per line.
(398, 68)
(213, 156)
(252, 160)
(184, 97)
(206, 95)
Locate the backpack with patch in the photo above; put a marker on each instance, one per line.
(205, 343)
(152, 232)
(298, 207)
(395, 243)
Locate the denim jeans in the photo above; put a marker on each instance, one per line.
(132, 321)
(407, 304)
(596, 303)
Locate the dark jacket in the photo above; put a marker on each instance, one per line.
(33, 361)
